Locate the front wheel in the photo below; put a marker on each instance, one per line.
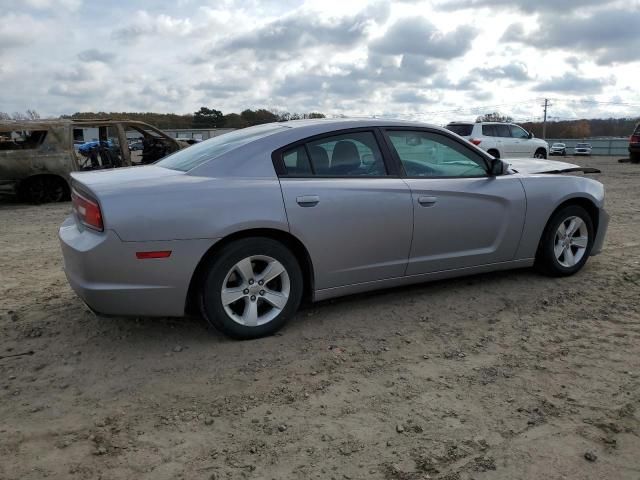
(540, 153)
(566, 242)
(251, 288)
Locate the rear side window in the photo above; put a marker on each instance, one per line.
(503, 131)
(196, 155)
(22, 139)
(462, 129)
(354, 154)
(489, 131)
(296, 161)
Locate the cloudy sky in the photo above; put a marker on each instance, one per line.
(434, 60)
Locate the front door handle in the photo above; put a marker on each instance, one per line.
(308, 200)
(427, 201)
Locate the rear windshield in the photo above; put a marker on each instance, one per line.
(637, 130)
(196, 155)
(462, 129)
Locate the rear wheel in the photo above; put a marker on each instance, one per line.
(566, 242)
(251, 288)
(494, 152)
(634, 157)
(43, 189)
(540, 153)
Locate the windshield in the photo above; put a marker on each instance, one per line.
(462, 129)
(583, 145)
(560, 145)
(196, 155)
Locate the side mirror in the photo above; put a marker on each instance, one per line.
(531, 135)
(497, 167)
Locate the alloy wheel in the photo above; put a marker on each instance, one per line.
(255, 290)
(570, 242)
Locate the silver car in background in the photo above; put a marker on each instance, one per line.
(241, 227)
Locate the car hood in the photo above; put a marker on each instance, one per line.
(536, 165)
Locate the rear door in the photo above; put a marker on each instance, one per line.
(462, 216)
(508, 145)
(354, 218)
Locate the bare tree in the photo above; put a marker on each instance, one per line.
(33, 115)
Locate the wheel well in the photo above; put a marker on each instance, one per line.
(295, 245)
(585, 203)
(25, 181)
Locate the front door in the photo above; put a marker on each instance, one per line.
(462, 216)
(354, 219)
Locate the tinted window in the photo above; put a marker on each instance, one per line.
(462, 129)
(517, 132)
(296, 161)
(502, 130)
(348, 155)
(431, 155)
(489, 131)
(202, 152)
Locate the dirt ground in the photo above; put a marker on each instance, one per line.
(502, 376)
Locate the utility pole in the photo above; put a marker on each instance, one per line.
(544, 123)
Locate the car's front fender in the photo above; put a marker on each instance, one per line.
(545, 193)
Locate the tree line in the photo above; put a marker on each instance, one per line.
(203, 118)
(211, 118)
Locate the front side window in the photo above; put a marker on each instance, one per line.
(518, 132)
(353, 154)
(424, 154)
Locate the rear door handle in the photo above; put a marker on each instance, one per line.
(308, 200)
(427, 201)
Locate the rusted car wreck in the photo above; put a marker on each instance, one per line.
(36, 157)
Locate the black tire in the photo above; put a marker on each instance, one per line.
(221, 265)
(540, 153)
(634, 157)
(43, 189)
(494, 152)
(546, 261)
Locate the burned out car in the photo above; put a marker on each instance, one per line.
(37, 157)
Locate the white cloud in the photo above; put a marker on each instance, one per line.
(408, 58)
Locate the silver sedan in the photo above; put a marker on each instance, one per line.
(243, 226)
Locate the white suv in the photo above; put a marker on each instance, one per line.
(502, 140)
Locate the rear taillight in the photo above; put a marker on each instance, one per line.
(634, 139)
(476, 141)
(87, 210)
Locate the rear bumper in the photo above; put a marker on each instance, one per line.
(603, 225)
(105, 273)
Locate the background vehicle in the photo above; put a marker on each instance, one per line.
(582, 149)
(634, 145)
(502, 140)
(243, 225)
(136, 146)
(37, 157)
(558, 149)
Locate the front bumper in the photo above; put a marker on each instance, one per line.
(603, 225)
(105, 273)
